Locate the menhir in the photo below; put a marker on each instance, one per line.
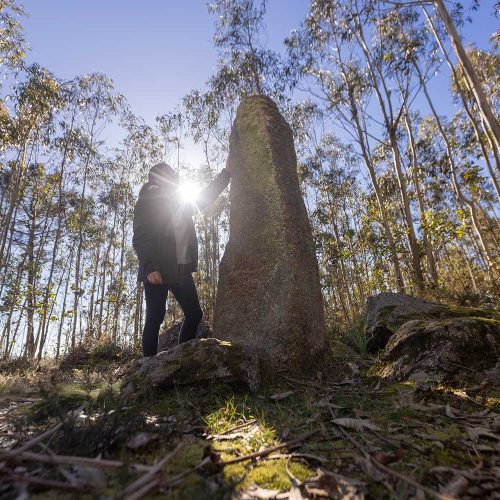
(269, 295)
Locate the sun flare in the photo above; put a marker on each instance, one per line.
(189, 192)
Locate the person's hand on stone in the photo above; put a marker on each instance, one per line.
(155, 278)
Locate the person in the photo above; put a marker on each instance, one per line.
(166, 245)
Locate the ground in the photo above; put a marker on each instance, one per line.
(339, 433)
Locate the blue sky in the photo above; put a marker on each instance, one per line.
(155, 50)
(158, 50)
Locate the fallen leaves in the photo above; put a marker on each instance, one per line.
(356, 424)
(475, 432)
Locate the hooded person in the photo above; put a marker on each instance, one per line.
(166, 245)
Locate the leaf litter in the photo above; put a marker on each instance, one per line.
(335, 436)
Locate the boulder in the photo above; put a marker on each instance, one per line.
(196, 362)
(449, 350)
(386, 312)
(170, 337)
(269, 296)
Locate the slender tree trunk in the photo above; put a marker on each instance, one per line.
(420, 199)
(470, 73)
(469, 202)
(472, 118)
(380, 200)
(17, 183)
(30, 284)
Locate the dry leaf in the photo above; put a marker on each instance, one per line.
(295, 493)
(455, 487)
(256, 492)
(449, 412)
(369, 469)
(280, 395)
(140, 439)
(330, 485)
(386, 459)
(91, 475)
(356, 424)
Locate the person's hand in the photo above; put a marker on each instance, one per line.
(155, 278)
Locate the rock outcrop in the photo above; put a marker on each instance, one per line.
(196, 362)
(386, 312)
(428, 341)
(449, 350)
(170, 337)
(269, 297)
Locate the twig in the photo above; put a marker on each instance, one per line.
(146, 478)
(310, 456)
(64, 472)
(267, 451)
(239, 426)
(412, 481)
(182, 475)
(460, 366)
(29, 444)
(75, 460)
(158, 481)
(388, 470)
(309, 384)
(147, 488)
(49, 483)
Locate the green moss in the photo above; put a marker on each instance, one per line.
(233, 474)
(474, 312)
(272, 474)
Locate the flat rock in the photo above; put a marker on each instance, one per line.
(269, 296)
(170, 337)
(196, 362)
(451, 350)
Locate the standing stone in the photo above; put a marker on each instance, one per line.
(269, 297)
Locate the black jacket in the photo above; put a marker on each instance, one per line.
(154, 236)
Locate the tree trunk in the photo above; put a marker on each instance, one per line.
(470, 73)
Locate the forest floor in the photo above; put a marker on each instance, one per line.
(339, 434)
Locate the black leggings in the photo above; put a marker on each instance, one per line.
(156, 303)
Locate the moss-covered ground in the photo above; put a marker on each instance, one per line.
(364, 437)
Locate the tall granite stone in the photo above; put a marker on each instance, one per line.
(269, 297)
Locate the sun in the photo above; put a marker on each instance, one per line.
(188, 192)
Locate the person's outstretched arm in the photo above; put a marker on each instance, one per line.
(208, 195)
